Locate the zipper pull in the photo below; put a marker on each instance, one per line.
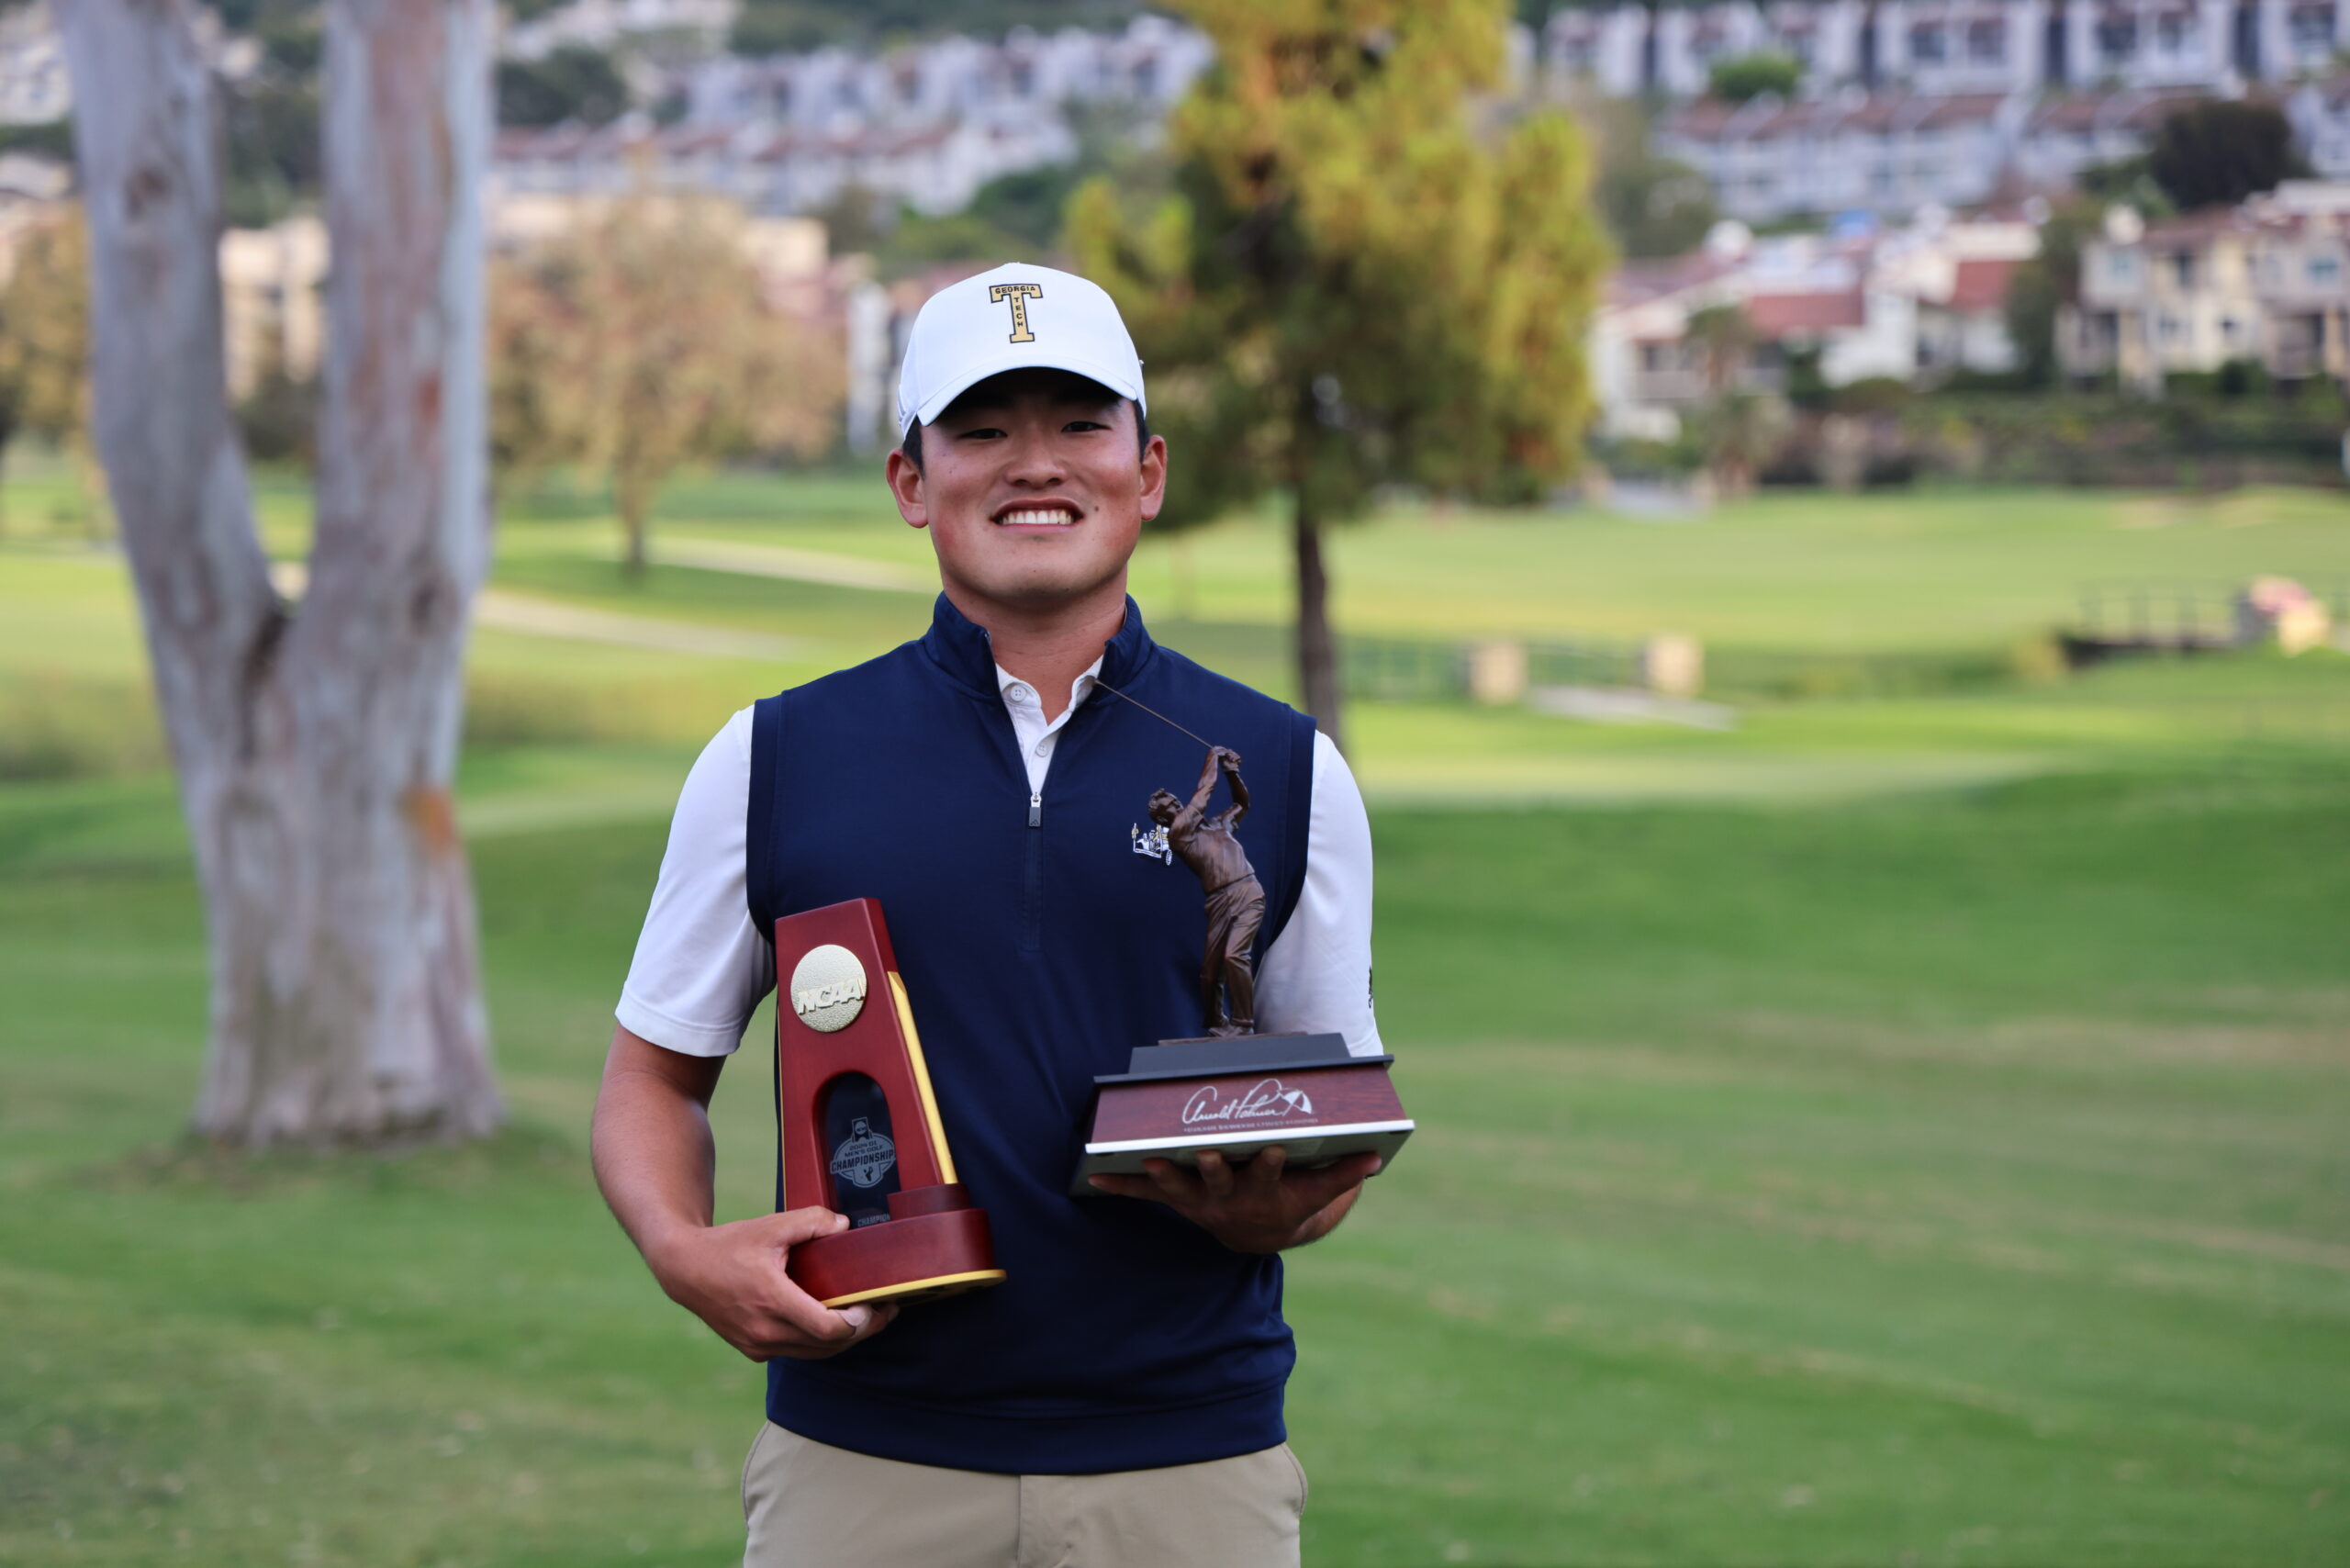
(1036, 808)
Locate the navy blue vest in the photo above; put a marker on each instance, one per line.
(1039, 948)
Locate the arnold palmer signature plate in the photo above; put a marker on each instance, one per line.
(1237, 1096)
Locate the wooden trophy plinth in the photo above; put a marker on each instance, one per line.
(859, 1124)
(1237, 1096)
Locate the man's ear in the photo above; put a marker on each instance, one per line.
(1154, 477)
(906, 490)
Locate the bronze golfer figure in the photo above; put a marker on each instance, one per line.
(1235, 898)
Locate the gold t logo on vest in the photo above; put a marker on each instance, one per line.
(1020, 294)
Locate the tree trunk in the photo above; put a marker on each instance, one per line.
(1317, 660)
(90, 478)
(632, 501)
(315, 745)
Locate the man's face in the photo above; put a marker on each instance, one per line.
(1033, 489)
(1163, 806)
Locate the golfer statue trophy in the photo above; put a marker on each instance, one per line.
(1231, 1089)
(860, 1128)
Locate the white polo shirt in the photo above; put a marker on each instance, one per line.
(701, 968)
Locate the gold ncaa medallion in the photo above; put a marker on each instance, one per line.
(828, 988)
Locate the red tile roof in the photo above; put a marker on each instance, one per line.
(1781, 315)
(1981, 286)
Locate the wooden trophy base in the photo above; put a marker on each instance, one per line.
(934, 1244)
(1237, 1096)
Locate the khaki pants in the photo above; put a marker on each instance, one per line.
(812, 1506)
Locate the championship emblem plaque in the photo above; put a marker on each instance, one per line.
(859, 1123)
(1232, 1089)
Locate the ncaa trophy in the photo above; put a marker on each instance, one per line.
(859, 1123)
(1232, 1089)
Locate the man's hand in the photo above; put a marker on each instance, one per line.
(731, 1276)
(1262, 1207)
(1227, 759)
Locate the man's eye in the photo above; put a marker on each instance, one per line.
(985, 432)
(1085, 425)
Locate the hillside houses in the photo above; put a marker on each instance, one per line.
(1882, 151)
(1910, 305)
(1890, 152)
(774, 169)
(1146, 66)
(2265, 282)
(926, 125)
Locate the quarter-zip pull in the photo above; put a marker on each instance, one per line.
(1035, 808)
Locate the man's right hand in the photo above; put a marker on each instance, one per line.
(732, 1277)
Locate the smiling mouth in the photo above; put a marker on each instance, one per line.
(1037, 514)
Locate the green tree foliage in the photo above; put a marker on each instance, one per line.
(1018, 217)
(1349, 285)
(2126, 181)
(1653, 206)
(638, 343)
(52, 138)
(1724, 337)
(1739, 432)
(279, 417)
(2043, 286)
(272, 116)
(2218, 151)
(573, 83)
(45, 340)
(1743, 77)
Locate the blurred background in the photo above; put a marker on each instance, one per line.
(1821, 524)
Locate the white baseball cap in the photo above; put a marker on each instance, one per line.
(1015, 318)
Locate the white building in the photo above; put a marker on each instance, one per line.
(1881, 153)
(2268, 281)
(33, 85)
(2067, 132)
(1953, 46)
(601, 24)
(1963, 46)
(2320, 111)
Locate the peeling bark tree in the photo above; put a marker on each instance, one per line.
(314, 743)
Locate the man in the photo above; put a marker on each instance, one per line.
(1205, 842)
(1117, 1399)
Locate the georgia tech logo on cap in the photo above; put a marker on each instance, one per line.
(1020, 294)
(828, 988)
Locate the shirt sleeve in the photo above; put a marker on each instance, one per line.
(1317, 972)
(700, 969)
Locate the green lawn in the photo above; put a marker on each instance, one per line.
(1950, 1178)
(1897, 1129)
